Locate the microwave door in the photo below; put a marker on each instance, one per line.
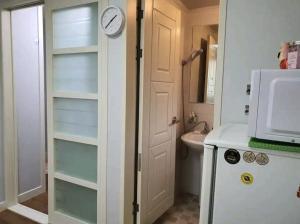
(279, 107)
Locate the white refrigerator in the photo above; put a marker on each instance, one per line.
(243, 185)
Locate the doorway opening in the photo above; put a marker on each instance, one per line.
(179, 42)
(24, 101)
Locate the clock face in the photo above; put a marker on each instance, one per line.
(112, 21)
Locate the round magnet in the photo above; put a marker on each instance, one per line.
(262, 159)
(232, 156)
(247, 178)
(249, 157)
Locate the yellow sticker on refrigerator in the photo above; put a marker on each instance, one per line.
(247, 178)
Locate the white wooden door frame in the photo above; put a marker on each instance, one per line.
(145, 83)
(220, 63)
(9, 122)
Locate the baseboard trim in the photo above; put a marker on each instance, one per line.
(31, 193)
(29, 213)
(3, 206)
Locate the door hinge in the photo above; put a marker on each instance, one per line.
(140, 14)
(139, 162)
(136, 208)
(139, 53)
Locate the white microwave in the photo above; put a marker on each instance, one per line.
(274, 110)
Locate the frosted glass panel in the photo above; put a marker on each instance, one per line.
(76, 117)
(77, 160)
(76, 72)
(76, 201)
(75, 27)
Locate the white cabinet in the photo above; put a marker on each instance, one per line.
(243, 185)
(270, 199)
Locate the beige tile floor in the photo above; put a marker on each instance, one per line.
(185, 211)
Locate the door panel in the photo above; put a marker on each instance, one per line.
(159, 174)
(161, 113)
(163, 55)
(158, 135)
(29, 101)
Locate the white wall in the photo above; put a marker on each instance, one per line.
(121, 118)
(116, 73)
(189, 170)
(204, 16)
(179, 127)
(254, 32)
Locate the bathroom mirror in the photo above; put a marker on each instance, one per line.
(203, 68)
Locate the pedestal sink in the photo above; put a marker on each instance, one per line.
(194, 140)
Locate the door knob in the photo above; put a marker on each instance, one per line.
(174, 121)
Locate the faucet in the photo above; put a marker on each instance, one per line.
(205, 130)
(193, 119)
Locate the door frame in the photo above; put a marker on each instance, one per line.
(8, 114)
(144, 94)
(220, 63)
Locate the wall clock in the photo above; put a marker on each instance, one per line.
(112, 21)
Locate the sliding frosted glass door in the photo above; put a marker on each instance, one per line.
(77, 113)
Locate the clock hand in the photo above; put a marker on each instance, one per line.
(110, 21)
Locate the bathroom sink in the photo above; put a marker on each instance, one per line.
(194, 140)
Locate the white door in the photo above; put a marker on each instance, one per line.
(270, 195)
(157, 174)
(77, 111)
(27, 48)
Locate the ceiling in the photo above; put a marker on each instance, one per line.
(193, 4)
